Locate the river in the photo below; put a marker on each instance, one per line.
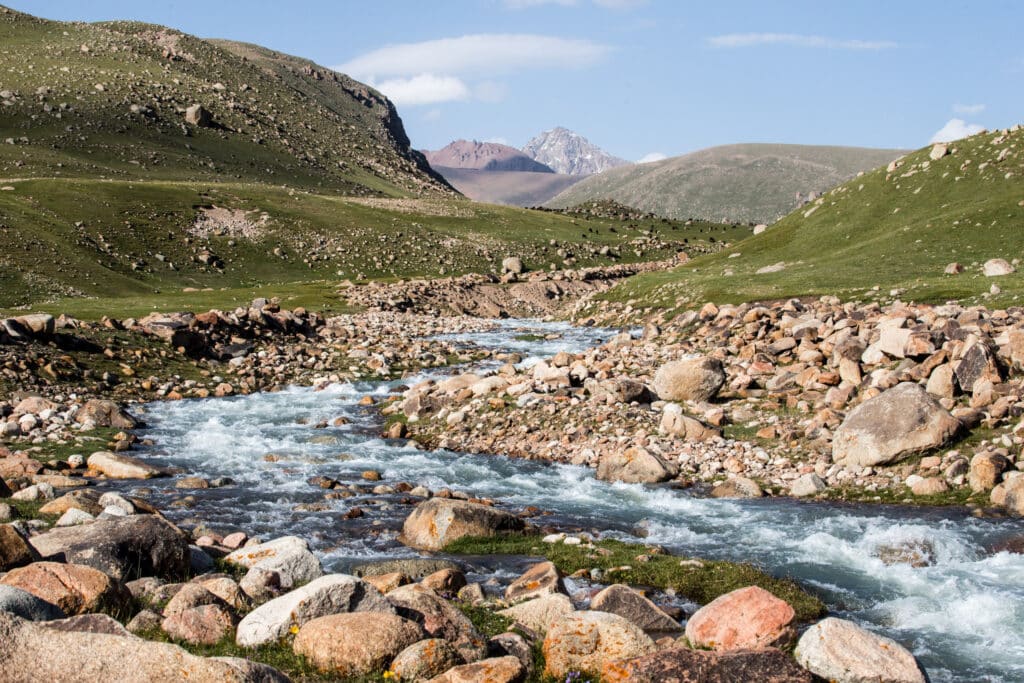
(963, 616)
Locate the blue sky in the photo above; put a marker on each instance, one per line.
(639, 78)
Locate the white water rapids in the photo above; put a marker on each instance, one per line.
(963, 615)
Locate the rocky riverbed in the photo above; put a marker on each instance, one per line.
(776, 400)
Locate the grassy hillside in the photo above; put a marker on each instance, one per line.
(895, 228)
(109, 100)
(514, 188)
(753, 183)
(111, 201)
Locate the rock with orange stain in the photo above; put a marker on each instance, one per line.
(357, 643)
(439, 521)
(749, 617)
(74, 588)
(682, 665)
(541, 579)
(424, 660)
(496, 670)
(587, 641)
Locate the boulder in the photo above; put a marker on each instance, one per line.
(997, 267)
(1010, 495)
(288, 556)
(424, 660)
(512, 264)
(694, 379)
(841, 651)
(977, 364)
(587, 641)
(413, 567)
(103, 413)
(509, 644)
(188, 596)
(541, 579)
(90, 623)
(124, 548)
(201, 625)
(75, 588)
(116, 466)
(635, 465)
(27, 606)
(37, 324)
(538, 614)
(440, 619)
(903, 420)
(737, 487)
(506, 669)
(445, 581)
(15, 550)
(683, 665)
(331, 594)
(746, 618)
(809, 484)
(439, 521)
(33, 405)
(50, 654)
(631, 605)
(198, 115)
(355, 643)
(227, 590)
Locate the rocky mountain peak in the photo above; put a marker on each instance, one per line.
(484, 156)
(570, 153)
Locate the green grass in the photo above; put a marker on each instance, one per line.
(26, 509)
(702, 583)
(84, 443)
(879, 230)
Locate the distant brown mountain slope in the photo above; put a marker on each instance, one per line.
(757, 183)
(484, 156)
(514, 188)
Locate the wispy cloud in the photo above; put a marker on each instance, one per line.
(476, 54)
(731, 40)
(651, 157)
(956, 129)
(498, 140)
(463, 68)
(969, 109)
(423, 89)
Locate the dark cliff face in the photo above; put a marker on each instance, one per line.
(396, 131)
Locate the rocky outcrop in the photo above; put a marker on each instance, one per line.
(437, 522)
(891, 426)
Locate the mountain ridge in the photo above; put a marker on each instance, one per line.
(570, 153)
(483, 156)
(749, 182)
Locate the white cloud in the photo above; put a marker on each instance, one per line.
(497, 140)
(956, 129)
(485, 54)
(969, 109)
(423, 89)
(797, 40)
(652, 156)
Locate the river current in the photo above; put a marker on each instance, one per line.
(963, 615)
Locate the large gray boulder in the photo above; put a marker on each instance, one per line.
(31, 652)
(331, 594)
(125, 548)
(694, 379)
(439, 521)
(289, 556)
(903, 420)
(841, 651)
